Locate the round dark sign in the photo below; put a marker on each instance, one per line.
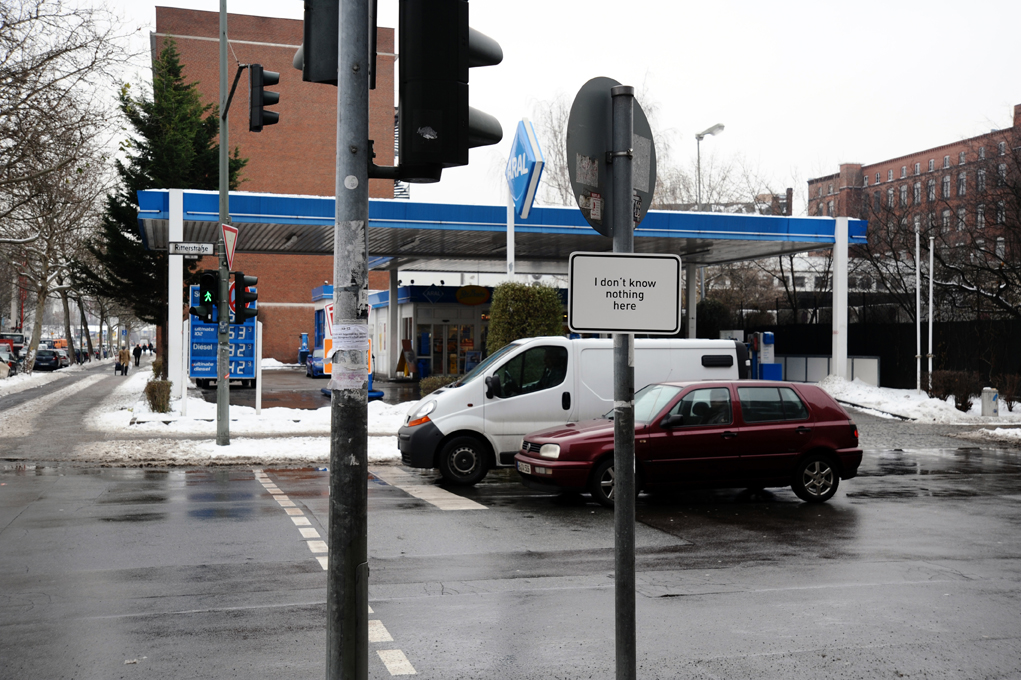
(589, 139)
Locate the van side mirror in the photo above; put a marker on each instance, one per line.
(493, 387)
(675, 420)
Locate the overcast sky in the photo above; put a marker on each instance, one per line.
(801, 86)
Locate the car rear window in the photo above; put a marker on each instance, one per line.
(764, 404)
(46, 352)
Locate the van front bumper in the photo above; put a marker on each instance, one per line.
(418, 444)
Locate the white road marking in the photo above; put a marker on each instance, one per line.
(285, 503)
(293, 512)
(370, 611)
(301, 521)
(396, 662)
(410, 484)
(318, 546)
(309, 533)
(324, 562)
(275, 492)
(378, 632)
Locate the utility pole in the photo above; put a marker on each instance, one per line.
(347, 589)
(222, 314)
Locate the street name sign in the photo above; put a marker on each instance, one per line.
(624, 293)
(191, 249)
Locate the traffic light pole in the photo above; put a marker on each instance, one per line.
(623, 97)
(347, 595)
(222, 313)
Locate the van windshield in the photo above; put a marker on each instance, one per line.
(484, 366)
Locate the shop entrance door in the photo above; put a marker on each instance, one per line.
(449, 346)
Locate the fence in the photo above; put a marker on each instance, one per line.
(814, 368)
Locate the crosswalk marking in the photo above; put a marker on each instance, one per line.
(411, 484)
(309, 533)
(378, 632)
(396, 662)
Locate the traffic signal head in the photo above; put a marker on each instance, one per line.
(208, 296)
(436, 127)
(259, 97)
(243, 297)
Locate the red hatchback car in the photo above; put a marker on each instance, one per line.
(752, 434)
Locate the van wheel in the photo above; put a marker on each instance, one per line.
(464, 461)
(815, 479)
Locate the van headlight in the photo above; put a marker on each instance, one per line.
(550, 450)
(421, 414)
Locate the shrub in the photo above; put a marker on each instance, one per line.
(435, 382)
(1009, 387)
(157, 393)
(711, 317)
(963, 386)
(157, 369)
(520, 310)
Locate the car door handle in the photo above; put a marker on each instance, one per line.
(803, 430)
(565, 401)
(727, 434)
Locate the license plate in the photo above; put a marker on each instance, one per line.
(524, 467)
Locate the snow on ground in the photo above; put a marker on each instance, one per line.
(270, 364)
(922, 408)
(26, 381)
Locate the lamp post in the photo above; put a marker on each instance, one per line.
(714, 130)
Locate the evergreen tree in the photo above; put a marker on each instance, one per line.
(173, 145)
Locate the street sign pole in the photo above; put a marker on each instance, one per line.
(623, 97)
(347, 589)
(223, 347)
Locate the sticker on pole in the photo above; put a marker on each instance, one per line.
(624, 293)
(230, 241)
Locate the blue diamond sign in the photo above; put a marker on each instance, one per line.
(524, 168)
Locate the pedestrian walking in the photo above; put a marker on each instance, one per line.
(123, 360)
(137, 352)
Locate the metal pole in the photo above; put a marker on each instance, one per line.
(222, 314)
(698, 173)
(918, 313)
(931, 243)
(623, 97)
(347, 595)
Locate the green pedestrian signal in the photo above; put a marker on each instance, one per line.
(209, 284)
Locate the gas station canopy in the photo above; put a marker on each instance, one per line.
(444, 237)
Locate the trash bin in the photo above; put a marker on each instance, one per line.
(990, 402)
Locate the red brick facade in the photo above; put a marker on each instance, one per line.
(295, 156)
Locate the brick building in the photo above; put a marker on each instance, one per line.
(295, 156)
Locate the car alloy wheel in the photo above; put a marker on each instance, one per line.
(816, 479)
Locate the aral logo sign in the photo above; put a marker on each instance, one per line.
(524, 168)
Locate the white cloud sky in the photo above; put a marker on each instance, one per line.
(801, 85)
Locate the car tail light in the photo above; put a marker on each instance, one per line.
(854, 433)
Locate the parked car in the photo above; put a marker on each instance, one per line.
(752, 434)
(8, 359)
(65, 360)
(47, 360)
(477, 422)
(314, 364)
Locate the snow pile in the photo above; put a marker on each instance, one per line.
(912, 404)
(271, 364)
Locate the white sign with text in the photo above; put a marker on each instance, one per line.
(624, 293)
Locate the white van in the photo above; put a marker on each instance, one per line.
(478, 421)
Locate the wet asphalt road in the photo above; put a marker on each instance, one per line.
(912, 570)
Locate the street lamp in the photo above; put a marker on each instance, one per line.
(714, 130)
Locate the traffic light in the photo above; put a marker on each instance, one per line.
(242, 297)
(259, 97)
(318, 53)
(208, 296)
(436, 127)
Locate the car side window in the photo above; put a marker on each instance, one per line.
(709, 406)
(793, 407)
(539, 368)
(760, 404)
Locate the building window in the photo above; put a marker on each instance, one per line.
(946, 161)
(981, 152)
(866, 180)
(1001, 212)
(889, 198)
(822, 283)
(1001, 248)
(918, 168)
(889, 175)
(1001, 148)
(980, 181)
(980, 217)
(903, 171)
(818, 210)
(1001, 174)
(903, 195)
(829, 209)
(932, 165)
(829, 191)
(918, 223)
(946, 220)
(917, 195)
(931, 191)
(877, 178)
(946, 186)
(960, 158)
(961, 215)
(875, 202)
(932, 220)
(799, 281)
(962, 183)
